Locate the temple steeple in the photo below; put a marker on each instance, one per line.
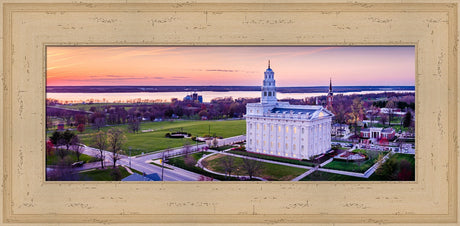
(330, 96)
(269, 87)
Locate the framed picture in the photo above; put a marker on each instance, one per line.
(104, 122)
(32, 32)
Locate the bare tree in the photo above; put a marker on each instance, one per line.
(228, 163)
(76, 146)
(189, 160)
(374, 112)
(100, 142)
(251, 166)
(99, 123)
(115, 139)
(383, 118)
(390, 106)
(134, 125)
(187, 149)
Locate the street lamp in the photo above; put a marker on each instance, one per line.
(162, 166)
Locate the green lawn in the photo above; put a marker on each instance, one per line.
(86, 107)
(358, 167)
(222, 148)
(273, 158)
(324, 176)
(156, 140)
(179, 162)
(102, 175)
(269, 171)
(70, 157)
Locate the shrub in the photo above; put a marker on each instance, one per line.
(168, 135)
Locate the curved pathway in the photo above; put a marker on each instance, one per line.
(198, 164)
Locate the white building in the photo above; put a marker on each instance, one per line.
(340, 130)
(280, 129)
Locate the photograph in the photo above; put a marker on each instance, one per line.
(230, 113)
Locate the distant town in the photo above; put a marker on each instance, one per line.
(330, 136)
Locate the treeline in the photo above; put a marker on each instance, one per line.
(219, 108)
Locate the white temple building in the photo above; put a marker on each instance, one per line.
(280, 129)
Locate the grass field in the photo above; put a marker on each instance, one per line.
(86, 107)
(358, 167)
(269, 171)
(324, 176)
(102, 175)
(179, 162)
(54, 159)
(156, 140)
(273, 158)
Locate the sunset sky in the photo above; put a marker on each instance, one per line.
(239, 66)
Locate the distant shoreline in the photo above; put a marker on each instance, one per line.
(154, 89)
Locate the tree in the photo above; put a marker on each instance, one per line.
(115, 140)
(383, 118)
(80, 119)
(134, 125)
(49, 147)
(186, 149)
(407, 119)
(406, 170)
(251, 166)
(390, 106)
(100, 142)
(189, 160)
(76, 146)
(55, 137)
(373, 114)
(81, 128)
(228, 163)
(59, 138)
(388, 169)
(356, 113)
(99, 123)
(67, 136)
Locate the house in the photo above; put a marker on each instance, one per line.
(378, 133)
(340, 130)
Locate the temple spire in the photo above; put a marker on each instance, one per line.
(268, 63)
(330, 84)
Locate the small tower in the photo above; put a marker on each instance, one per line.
(329, 96)
(268, 87)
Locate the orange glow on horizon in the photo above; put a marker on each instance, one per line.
(172, 65)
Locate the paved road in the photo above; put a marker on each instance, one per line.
(142, 163)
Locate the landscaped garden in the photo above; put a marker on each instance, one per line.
(188, 163)
(356, 166)
(269, 171)
(273, 158)
(399, 167)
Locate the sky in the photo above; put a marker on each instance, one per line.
(225, 66)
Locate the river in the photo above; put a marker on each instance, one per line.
(166, 96)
